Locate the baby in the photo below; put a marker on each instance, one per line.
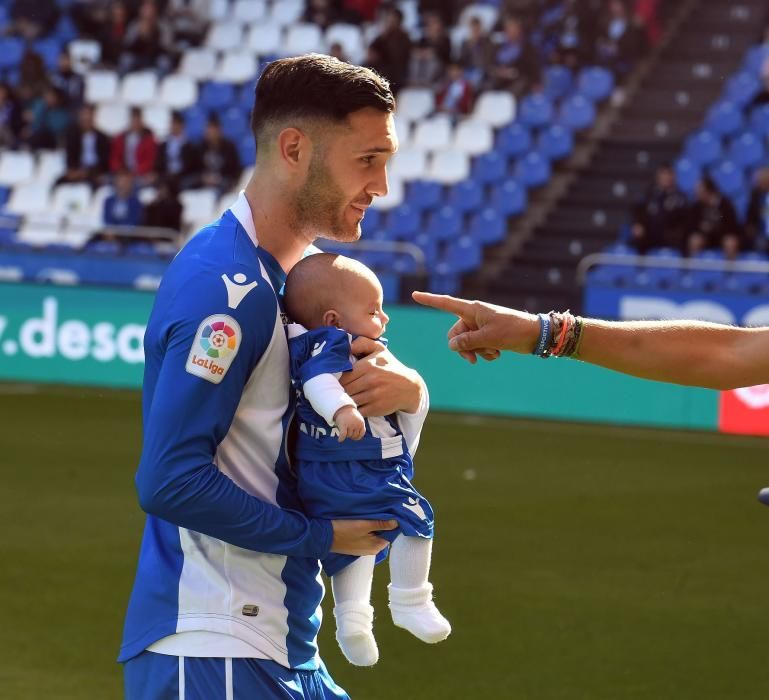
(352, 467)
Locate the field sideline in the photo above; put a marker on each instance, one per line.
(575, 562)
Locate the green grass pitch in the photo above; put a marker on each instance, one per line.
(574, 562)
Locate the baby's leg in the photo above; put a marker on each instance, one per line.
(411, 593)
(353, 612)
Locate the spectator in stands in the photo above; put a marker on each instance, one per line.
(393, 49)
(525, 10)
(572, 33)
(219, 159)
(112, 33)
(660, 219)
(425, 70)
(10, 117)
(447, 10)
(33, 79)
(455, 96)
(361, 10)
(87, 150)
(646, 13)
(177, 159)
(122, 207)
(337, 51)
(165, 211)
(476, 53)
(324, 13)
(516, 66)
(620, 39)
(134, 150)
(68, 82)
(148, 42)
(188, 20)
(33, 20)
(757, 219)
(48, 120)
(435, 35)
(712, 221)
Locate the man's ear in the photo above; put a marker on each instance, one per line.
(293, 147)
(331, 318)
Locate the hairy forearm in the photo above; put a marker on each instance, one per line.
(681, 352)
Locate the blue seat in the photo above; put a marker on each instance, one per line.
(577, 113)
(754, 59)
(13, 50)
(195, 118)
(424, 194)
(759, 120)
(489, 225)
(5, 192)
(536, 110)
(141, 249)
(595, 83)
(513, 139)
(703, 147)
(688, 174)
(724, 118)
(744, 282)
(373, 222)
(49, 49)
(247, 150)
(246, 97)
(65, 30)
(557, 82)
(555, 142)
(391, 286)
(404, 222)
(533, 170)
(701, 280)
(619, 249)
(103, 247)
(729, 177)
(489, 168)
(742, 88)
(429, 247)
(404, 264)
(216, 97)
(746, 150)
(509, 197)
(464, 254)
(443, 281)
(467, 196)
(664, 253)
(444, 224)
(234, 125)
(612, 275)
(753, 256)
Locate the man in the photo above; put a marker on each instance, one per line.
(712, 222)
(692, 353)
(227, 591)
(68, 81)
(757, 219)
(122, 207)
(393, 47)
(134, 150)
(219, 158)
(515, 67)
(660, 218)
(87, 151)
(178, 158)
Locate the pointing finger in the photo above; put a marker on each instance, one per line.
(444, 302)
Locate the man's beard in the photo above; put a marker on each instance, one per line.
(321, 205)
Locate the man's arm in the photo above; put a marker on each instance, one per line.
(682, 352)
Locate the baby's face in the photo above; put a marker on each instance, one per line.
(361, 310)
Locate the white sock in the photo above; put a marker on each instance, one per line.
(411, 604)
(353, 612)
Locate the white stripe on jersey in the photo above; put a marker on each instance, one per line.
(229, 695)
(181, 678)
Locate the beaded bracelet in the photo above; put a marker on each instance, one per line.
(560, 335)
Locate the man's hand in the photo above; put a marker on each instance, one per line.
(484, 329)
(357, 537)
(379, 384)
(350, 422)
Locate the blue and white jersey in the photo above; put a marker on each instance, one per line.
(228, 563)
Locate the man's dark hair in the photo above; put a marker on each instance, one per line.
(316, 87)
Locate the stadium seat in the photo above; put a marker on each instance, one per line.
(234, 125)
(247, 149)
(688, 174)
(49, 50)
(742, 88)
(495, 108)
(433, 134)
(198, 205)
(509, 197)
(489, 226)
(50, 166)
(490, 167)
(408, 164)
(237, 67)
(199, 64)
(13, 50)
(595, 83)
(195, 121)
(287, 12)
(216, 96)
(443, 281)
(139, 89)
(536, 110)
(265, 39)
(724, 118)
(372, 223)
(448, 167)
(576, 113)
(112, 118)
(703, 147)
(248, 11)
(728, 177)
(16, 167)
(101, 86)
(445, 224)
(178, 91)
(464, 254)
(303, 38)
(28, 199)
(472, 137)
(557, 82)
(84, 53)
(404, 222)
(394, 196)
(223, 36)
(533, 170)
(158, 120)
(514, 139)
(555, 142)
(467, 196)
(218, 10)
(759, 120)
(424, 194)
(350, 37)
(414, 104)
(746, 150)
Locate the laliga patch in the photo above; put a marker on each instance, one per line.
(214, 348)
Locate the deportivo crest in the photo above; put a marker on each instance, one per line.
(214, 348)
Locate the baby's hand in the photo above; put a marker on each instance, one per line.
(350, 422)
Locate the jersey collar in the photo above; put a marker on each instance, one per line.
(242, 212)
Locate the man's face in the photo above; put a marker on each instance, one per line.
(346, 172)
(665, 178)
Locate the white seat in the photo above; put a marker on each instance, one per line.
(411, 15)
(146, 195)
(158, 120)
(112, 118)
(393, 198)
(198, 205)
(350, 37)
(76, 238)
(488, 15)
(38, 235)
(223, 36)
(449, 167)
(433, 134)
(218, 10)
(16, 167)
(71, 198)
(303, 38)
(147, 282)
(28, 199)
(139, 89)
(58, 275)
(415, 104)
(178, 92)
(265, 39)
(50, 167)
(43, 219)
(408, 164)
(402, 130)
(287, 12)
(83, 54)
(100, 86)
(249, 10)
(83, 223)
(9, 273)
(473, 137)
(496, 108)
(96, 210)
(237, 68)
(199, 64)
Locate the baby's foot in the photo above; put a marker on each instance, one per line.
(413, 610)
(354, 633)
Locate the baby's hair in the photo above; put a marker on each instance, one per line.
(316, 284)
